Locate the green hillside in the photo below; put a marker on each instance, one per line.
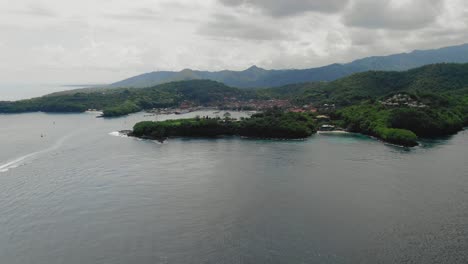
(436, 98)
(440, 79)
(118, 102)
(397, 107)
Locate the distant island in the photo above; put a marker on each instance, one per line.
(397, 107)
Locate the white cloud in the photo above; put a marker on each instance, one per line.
(291, 7)
(394, 14)
(90, 41)
(228, 26)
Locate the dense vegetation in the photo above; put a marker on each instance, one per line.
(441, 80)
(442, 88)
(271, 124)
(277, 124)
(126, 108)
(374, 120)
(120, 102)
(401, 125)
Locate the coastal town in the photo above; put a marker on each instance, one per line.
(400, 100)
(234, 104)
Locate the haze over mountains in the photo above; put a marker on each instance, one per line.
(256, 77)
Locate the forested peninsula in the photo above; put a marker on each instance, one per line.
(397, 107)
(273, 124)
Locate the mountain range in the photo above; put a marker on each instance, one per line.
(255, 77)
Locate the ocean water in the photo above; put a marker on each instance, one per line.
(82, 193)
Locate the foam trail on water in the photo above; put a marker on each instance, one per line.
(21, 160)
(15, 163)
(117, 134)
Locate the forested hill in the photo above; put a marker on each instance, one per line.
(398, 107)
(118, 102)
(256, 77)
(439, 79)
(440, 83)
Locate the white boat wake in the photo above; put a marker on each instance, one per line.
(117, 134)
(22, 160)
(123, 135)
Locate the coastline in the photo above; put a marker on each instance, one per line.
(336, 132)
(129, 133)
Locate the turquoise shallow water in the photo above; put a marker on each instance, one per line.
(81, 195)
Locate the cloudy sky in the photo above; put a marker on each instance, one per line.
(101, 41)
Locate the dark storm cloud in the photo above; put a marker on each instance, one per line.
(400, 15)
(291, 7)
(226, 26)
